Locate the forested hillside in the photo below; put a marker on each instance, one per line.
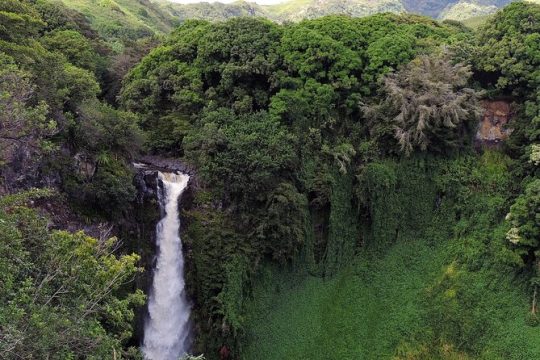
(362, 187)
(342, 151)
(125, 20)
(295, 10)
(63, 294)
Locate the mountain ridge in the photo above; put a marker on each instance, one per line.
(296, 10)
(127, 20)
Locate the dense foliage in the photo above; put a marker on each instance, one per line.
(60, 290)
(64, 294)
(428, 104)
(341, 208)
(50, 81)
(119, 22)
(300, 134)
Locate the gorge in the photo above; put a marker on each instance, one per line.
(334, 188)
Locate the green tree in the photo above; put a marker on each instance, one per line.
(243, 156)
(18, 20)
(74, 46)
(101, 128)
(60, 291)
(428, 103)
(57, 16)
(76, 86)
(507, 62)
(25, 127)
(524, 235)
(508, 52)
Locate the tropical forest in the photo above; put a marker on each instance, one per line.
(270, 180)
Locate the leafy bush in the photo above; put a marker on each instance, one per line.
(60, 290)
(428, 103)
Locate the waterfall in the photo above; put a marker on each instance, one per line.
(166, 330)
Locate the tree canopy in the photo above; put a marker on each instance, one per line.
(334, 171)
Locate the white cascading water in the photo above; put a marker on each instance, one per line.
(166, 330)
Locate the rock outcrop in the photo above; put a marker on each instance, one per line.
(494, 125)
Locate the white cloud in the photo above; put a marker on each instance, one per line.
(260, 2)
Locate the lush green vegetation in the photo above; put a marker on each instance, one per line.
(60, 290)
(342, 207)
(343, 210)
(293, 10)
(64, 295)
(296, 10)
(122, 21)
(51, 74)
(441, 287)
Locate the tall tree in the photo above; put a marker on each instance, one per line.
(428, 103)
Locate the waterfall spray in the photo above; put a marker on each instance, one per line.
(166, 330)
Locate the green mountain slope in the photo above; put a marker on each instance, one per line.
(469, 9)
(477, 21)
(466, 9)
(121, 20)
(213, 11)
(427, 7)
(295, 10)
(289, 11)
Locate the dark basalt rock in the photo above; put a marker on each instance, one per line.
(147, 181)
(153, 162)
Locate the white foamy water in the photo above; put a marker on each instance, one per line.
(166, 330)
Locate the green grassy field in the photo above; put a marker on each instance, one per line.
(376, 310)
(363, 313)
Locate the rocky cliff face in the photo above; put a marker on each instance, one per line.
(22, 166)
(494, 125)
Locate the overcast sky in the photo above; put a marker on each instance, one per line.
(262, 2)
